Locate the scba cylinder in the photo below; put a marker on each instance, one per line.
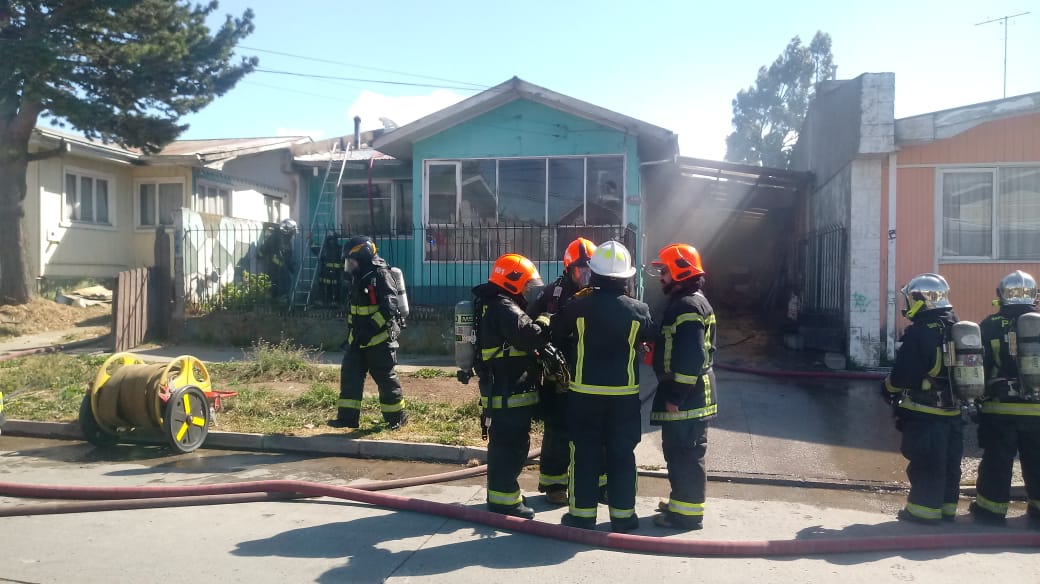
(402, 293)
(1027, 341)
(465, 336)
(968, 375)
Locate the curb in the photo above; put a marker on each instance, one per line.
(420, 451)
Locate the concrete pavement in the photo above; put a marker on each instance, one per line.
(331, 541)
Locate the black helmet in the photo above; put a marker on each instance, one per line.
(360, 248)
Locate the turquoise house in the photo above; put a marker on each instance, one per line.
(516, 168)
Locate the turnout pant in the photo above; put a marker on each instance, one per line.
(933, 445)
(685, 443)
(1001, 437)
(509, 441)
(380, 361)
(597, 423)
(555, 458)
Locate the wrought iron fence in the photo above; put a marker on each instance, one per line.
(225, 268)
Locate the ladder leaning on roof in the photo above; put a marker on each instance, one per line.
(322, 221)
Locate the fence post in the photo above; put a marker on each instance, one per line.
(177, 317)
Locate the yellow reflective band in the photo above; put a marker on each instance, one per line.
(687, 379)
(685, 414)
(391, 408)
(707, 388)
(938, 363)
(367, 310)
(891, 388)
(354, 404)
(380, 338)
(1010, 409)
(991, 506)
(545, 480)
(602, 480)
(616, 513)
(632, 332)
(501, 353)
(518, 400)
(583, 512)
(379, 319)
(333, 265)
(923, 512)
(1, 401)
(909, 404)
(489, 354)
(580, 366)
(501, 498)
(949, 509)
(684, 508)
(603, 389)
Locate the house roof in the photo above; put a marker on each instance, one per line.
(944, 124)
(654, 142)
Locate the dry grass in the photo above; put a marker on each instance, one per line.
(42, 315)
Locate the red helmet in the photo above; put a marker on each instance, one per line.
(579, 251)
(682, 261)
(514, 273)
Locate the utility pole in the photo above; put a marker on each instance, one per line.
(1004, 20)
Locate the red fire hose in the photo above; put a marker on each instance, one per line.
(628, 542)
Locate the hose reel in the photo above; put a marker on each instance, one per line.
(128, 394)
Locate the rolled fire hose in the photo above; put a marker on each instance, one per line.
(628, 542)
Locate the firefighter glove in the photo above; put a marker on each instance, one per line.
(543, 319)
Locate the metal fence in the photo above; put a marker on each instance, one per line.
(224, 271)
(823, 261)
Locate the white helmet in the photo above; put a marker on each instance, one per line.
(612, 260)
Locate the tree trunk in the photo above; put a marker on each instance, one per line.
(14, 279)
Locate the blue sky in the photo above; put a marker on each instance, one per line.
(677, 64)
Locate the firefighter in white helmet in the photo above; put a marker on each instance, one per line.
(604, 328)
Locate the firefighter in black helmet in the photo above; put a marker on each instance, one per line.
(276, 255)
(604, 327)
(927, 410)
(371, 346)
(1009, 421)
(330, 274)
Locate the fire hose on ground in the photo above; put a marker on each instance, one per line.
(276, 489)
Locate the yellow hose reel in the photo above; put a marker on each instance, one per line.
(129, 394)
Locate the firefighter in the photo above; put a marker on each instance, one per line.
(604, 327)
(276, 253)
(371, 347)
(927, 411)
(1009, 421)
(686, 396)
(555, 458)
(331, 275)
(506, 336)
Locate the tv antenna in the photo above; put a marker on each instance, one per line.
(1004, 21)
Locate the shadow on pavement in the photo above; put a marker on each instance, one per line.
(374, 548)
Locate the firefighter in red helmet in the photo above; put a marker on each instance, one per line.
(555, 458)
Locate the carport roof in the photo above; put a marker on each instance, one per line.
(761, 176)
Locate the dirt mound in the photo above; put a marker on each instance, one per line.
(42, 315)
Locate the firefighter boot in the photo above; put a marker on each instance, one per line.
(519, 510)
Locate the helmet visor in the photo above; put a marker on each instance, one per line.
(655, 269)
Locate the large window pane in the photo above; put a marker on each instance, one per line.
(606, 190)
(367, 209)
(146, 202)
(101, 200)
(171, 198)
(967, 200)
(1018, 216)
(86, 199)
(478, 192)
(566, 191)
(521, 186)
(443, 191)
(71, 198)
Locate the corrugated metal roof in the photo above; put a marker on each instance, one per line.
(351, 155)
(226, 145)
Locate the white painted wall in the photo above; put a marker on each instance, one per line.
(865, 300)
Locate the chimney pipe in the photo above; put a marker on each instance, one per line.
(357, 132)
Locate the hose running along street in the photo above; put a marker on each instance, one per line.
(627, 542)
